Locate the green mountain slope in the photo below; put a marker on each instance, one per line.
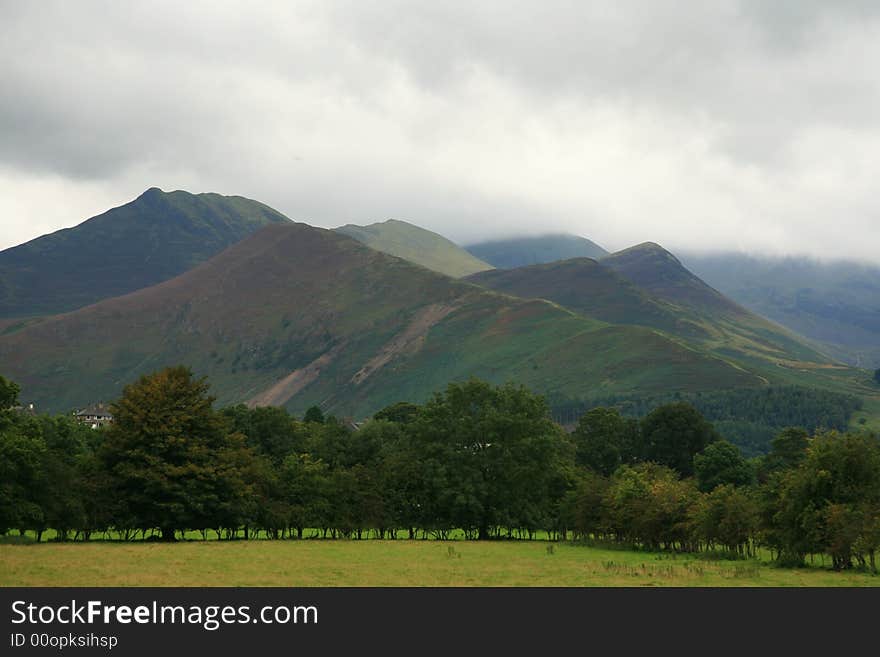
(587, 287)
(648, 286)
(296, 315)
(730, 329)
(151, 239)
(657, 271)
(417, 245)
(523, 251)
(834, 303)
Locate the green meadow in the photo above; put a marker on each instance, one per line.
(421, 563)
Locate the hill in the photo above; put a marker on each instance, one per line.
(295, 315)
(587, 287)
(648, 286)
(524, 251)
(657, 271)
(417, 245)
(151, 239)
(834, 303)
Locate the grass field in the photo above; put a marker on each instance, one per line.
(387, 563)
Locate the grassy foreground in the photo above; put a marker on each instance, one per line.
(386, 563)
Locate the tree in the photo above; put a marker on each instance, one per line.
(170, 461)
(649, 504)
(604, 440)
(492, 454)
(8, 394)
(22, 453)
(788, 449)
(270, 431)
(401, 412)
(820, 503)
(721, 463)
(877, 375)
(314, 414)
(673, 434)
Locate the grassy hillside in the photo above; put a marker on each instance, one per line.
(523, 251)
(297, 315)
(417, 245)
(587, 287)
(647, 286)
(151, 239)
(834, 303)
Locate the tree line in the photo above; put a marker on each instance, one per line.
(749, 417)
(483, 460)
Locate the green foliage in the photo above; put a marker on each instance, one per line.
(748, 418)
(314, 414)
(604, 440)
(727, 516)
(496, 452)
(829, 502)
(269, 430)
(788, 449)
(877, 376)
(673, 434)
(8, 394)
(719, 464)
(170, 462)
(483, 460)
(401, 412)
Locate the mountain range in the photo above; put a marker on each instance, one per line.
(360, 317)
(295, 315)
(835, 304)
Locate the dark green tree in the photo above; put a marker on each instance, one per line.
(170, 460)
(673, 434)
(877, 376)
(270, 431)
(604, 440)
(314, 414)
(8, 394)
(492, 455)
(401, 412)
(721, 463)
(788, 448)
(819, 507)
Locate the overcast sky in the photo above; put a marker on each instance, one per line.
(716, 124)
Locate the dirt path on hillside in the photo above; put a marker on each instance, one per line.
(291, 384)
(407, 341)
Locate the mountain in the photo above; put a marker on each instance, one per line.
(417, 245)
(657, 271)
(295, 316)
(151, 239)
(587, 287)
(834, 303)
(523, 251)
(648, 286)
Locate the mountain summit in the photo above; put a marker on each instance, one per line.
(418, 245)
(151, 239)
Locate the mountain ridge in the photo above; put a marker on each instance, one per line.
(276, 303)
(155, 237)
